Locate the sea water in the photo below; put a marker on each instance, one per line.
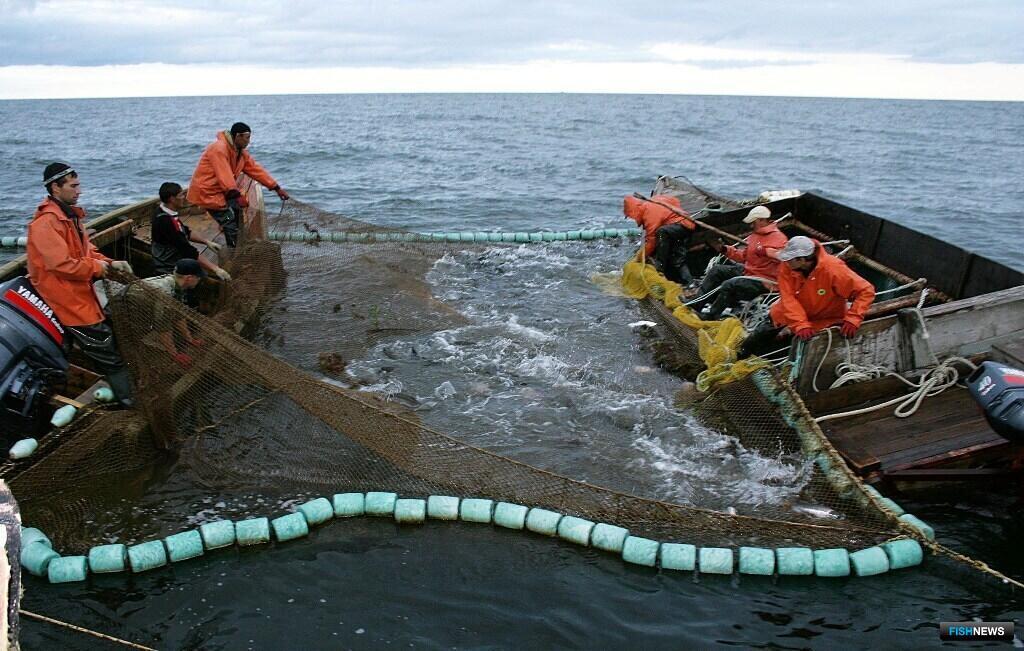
(548, 372)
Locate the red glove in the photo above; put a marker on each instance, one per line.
(804, 333)
(848, 329)
(281, 193)
(183, 360)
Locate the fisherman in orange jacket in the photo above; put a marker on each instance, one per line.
(667, 233)
(814, 288)
(214, 185)
(751, 271)
(62, 265)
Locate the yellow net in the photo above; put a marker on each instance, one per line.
(718, 341)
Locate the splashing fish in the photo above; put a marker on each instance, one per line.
(815, 511)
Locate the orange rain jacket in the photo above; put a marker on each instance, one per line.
(218, 167)
(651, 216)
(62, 264)
(758, 257)
(819, 300)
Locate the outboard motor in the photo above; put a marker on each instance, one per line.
(31, 357)
(999, 389)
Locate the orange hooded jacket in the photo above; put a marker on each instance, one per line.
(218, 167)
(818, 300)
(758, 256)
(651, 216)
(62, 264)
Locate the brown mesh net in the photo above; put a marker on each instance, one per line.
(244, 419)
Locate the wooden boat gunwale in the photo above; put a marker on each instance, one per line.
(962, 294)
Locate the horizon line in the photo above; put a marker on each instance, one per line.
(504, 92)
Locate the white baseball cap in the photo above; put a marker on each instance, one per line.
(757, 212)
(797, 247)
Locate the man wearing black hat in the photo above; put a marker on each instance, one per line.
(63, 264)
(187, 275)
(214, 185)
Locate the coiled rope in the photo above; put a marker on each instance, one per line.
(937, 379)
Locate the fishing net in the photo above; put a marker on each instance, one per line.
(264, 406)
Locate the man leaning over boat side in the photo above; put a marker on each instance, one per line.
(814, 288)
(752, 270)
(172, 240)
(666, 233)
(185, 276)
(62, 265)
(214, 185)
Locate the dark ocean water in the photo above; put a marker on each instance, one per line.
(524, 162)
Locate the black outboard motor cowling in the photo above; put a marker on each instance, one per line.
(32, 356)
(999, 389)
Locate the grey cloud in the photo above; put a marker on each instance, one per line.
(445, 32)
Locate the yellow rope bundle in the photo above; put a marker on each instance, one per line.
(717, 340)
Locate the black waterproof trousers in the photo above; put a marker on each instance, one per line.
(98, 344)
(670, 247)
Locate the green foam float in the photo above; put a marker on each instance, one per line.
(831, 562)
(715, 560)
(476, 510)
(317, 511)
(795, 561)
(919, 524)
(510, 516)
(217, 534)
(63, 416)
(183, 546)
(380, 504)
(543, 521)
(905, 552)
(608, 537)
(575, 530)
(289, 527)
(892, 506)
(68, 569)
(104, 559)
(757, 560)
(410, 511)
(678, 556)
(147, 556)
(869, 562)
(443, 507)
(30, 535)
(254, 531)
(640, 551)
(36, 558)
(349, 505)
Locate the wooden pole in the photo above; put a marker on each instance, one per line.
(699, 223)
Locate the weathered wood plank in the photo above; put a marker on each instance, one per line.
(951, 456)
(948, 474)
(109, 235)
(1010, 352)
(853, 396)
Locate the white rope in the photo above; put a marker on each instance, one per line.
(932, 383)
(919, 281)
(936, 380)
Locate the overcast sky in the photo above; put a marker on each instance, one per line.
(962, 49)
